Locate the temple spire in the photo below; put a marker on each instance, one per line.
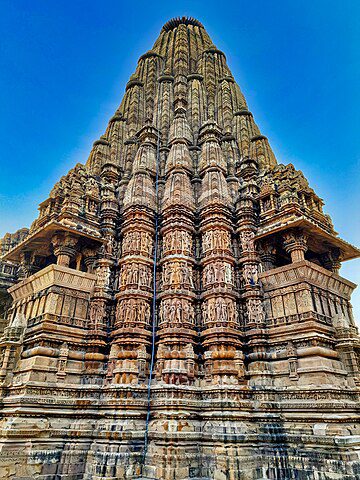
(177, 309)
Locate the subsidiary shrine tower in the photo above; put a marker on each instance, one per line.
(176, 309)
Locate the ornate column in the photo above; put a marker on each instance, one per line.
(332, 260)
(221, 335)
(176, 328)
(65, 248)
(131, 333)
(267, 253)
(249, 260)
(29, 263)
(295, 244)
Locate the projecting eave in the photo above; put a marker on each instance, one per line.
(320, 240)
(40, 241)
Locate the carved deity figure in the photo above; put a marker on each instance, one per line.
(133, 311)
(92, 188)
(247, 240)
(217, 310)
(97, 312)
(178, 241)
(216, 240)
(218, 273)
(177, 275)
(255, 310)
(176, 311)
(137, 243)
(250, 274)
(135, 275)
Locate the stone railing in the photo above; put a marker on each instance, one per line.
(53, 275)
(304, 287)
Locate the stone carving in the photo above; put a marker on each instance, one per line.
(63, 357)
(219, 310)
(218, 273)
(97, 313)
(216, 240)
(103, 276)
(135, 275)
(92, 188)
(132, 312)
(178, 241)
(255, 311)
(109, 247)
(250, 274)
(137, 243)
(176, 311)
(247, 240)
(177, 275)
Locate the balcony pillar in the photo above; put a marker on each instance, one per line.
(332, 260)
(267, 253)
(64, 245)
(295, 244)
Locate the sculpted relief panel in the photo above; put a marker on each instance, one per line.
(251, 274)
(177, 275)
(135, 275)
(176, 311)
(137, 243)
(218, 273)
(132, 312)
(246, 238)
(219, 311)
(255, 311)
(178, 242)
(216, 240)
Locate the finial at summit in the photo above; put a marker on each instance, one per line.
(175, 22)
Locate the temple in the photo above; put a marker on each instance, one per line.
(176, 308)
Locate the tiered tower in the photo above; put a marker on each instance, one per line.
(178, 311)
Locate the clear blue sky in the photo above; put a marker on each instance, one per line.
(64, 65)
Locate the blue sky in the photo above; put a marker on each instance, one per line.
(64, 66)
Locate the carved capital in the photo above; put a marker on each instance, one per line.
(64, 245)
(295, 244)
(89, 255)
(331, 260)
(267, 252)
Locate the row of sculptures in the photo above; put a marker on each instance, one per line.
(141, 242)
(137, 243)
(175, 310)
(135, 274)
(132, 311)
(219, 309)
(177, 274)
(178, 241)
(216, 240)
(218, 273)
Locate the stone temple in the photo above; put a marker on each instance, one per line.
(176, 308)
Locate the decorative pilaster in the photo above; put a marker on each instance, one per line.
(221, 335)
(64, 245)
(254, 322)
(176, 330)
(132, 328)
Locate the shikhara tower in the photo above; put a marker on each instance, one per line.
(178, 311)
